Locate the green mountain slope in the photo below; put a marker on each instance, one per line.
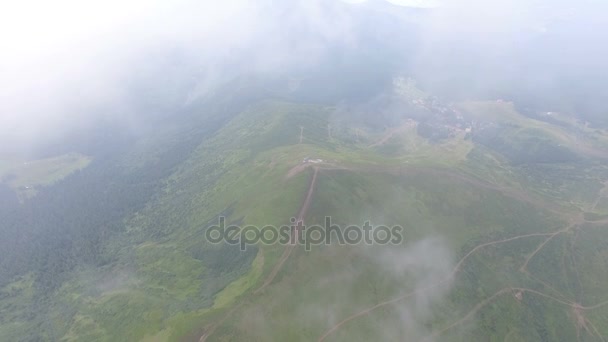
(495, 246)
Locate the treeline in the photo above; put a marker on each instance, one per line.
(69, 223)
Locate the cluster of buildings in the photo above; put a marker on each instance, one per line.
(444, 120)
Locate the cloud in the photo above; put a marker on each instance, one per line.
(473, 48)
(356, 281)
(429, 262)
(416, 3)
(68, 63)
(419, 273)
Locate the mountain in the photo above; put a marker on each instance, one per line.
(502, 220)
(304, 171)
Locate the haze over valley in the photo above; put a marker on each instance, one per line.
(472, 135)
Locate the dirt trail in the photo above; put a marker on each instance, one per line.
(454, 272)
(468, 316)
(389, 134)
(580, 319)
(516, 194)
(524, 267)
(295, 234)
(509, 192)
(601, 196)
(457, 269)
(513, 193)
(296, 170)
(519, 195)
(326, 166)
(308, 199)
(575, 221)
(209, 331)
(597, 333)
(279, 265)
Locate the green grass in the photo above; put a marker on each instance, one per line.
(323, 286)
(25, 176)
(329, 283)
(166, 282)
(240, 286)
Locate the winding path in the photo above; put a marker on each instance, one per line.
(279, 265)
(575, 218)
(295, 234)
(575, 221)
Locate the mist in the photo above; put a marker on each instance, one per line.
(69, 64)
(136, 88)
(417, 274)
(542, 54)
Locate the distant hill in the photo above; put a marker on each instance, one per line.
(495, 244)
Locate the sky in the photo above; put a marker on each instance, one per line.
(66, 62)
(62, 60)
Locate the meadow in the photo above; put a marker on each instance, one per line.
(495, 247)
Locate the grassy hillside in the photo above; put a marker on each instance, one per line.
(479, 260)
(494, 247)
(25, 176)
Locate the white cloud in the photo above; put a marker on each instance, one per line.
(60, 59)
(416, 3)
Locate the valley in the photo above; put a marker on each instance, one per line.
(488, 243)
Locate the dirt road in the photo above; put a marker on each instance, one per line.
(279, 265)
(517, 194)
(295, 234)
(575, 220)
